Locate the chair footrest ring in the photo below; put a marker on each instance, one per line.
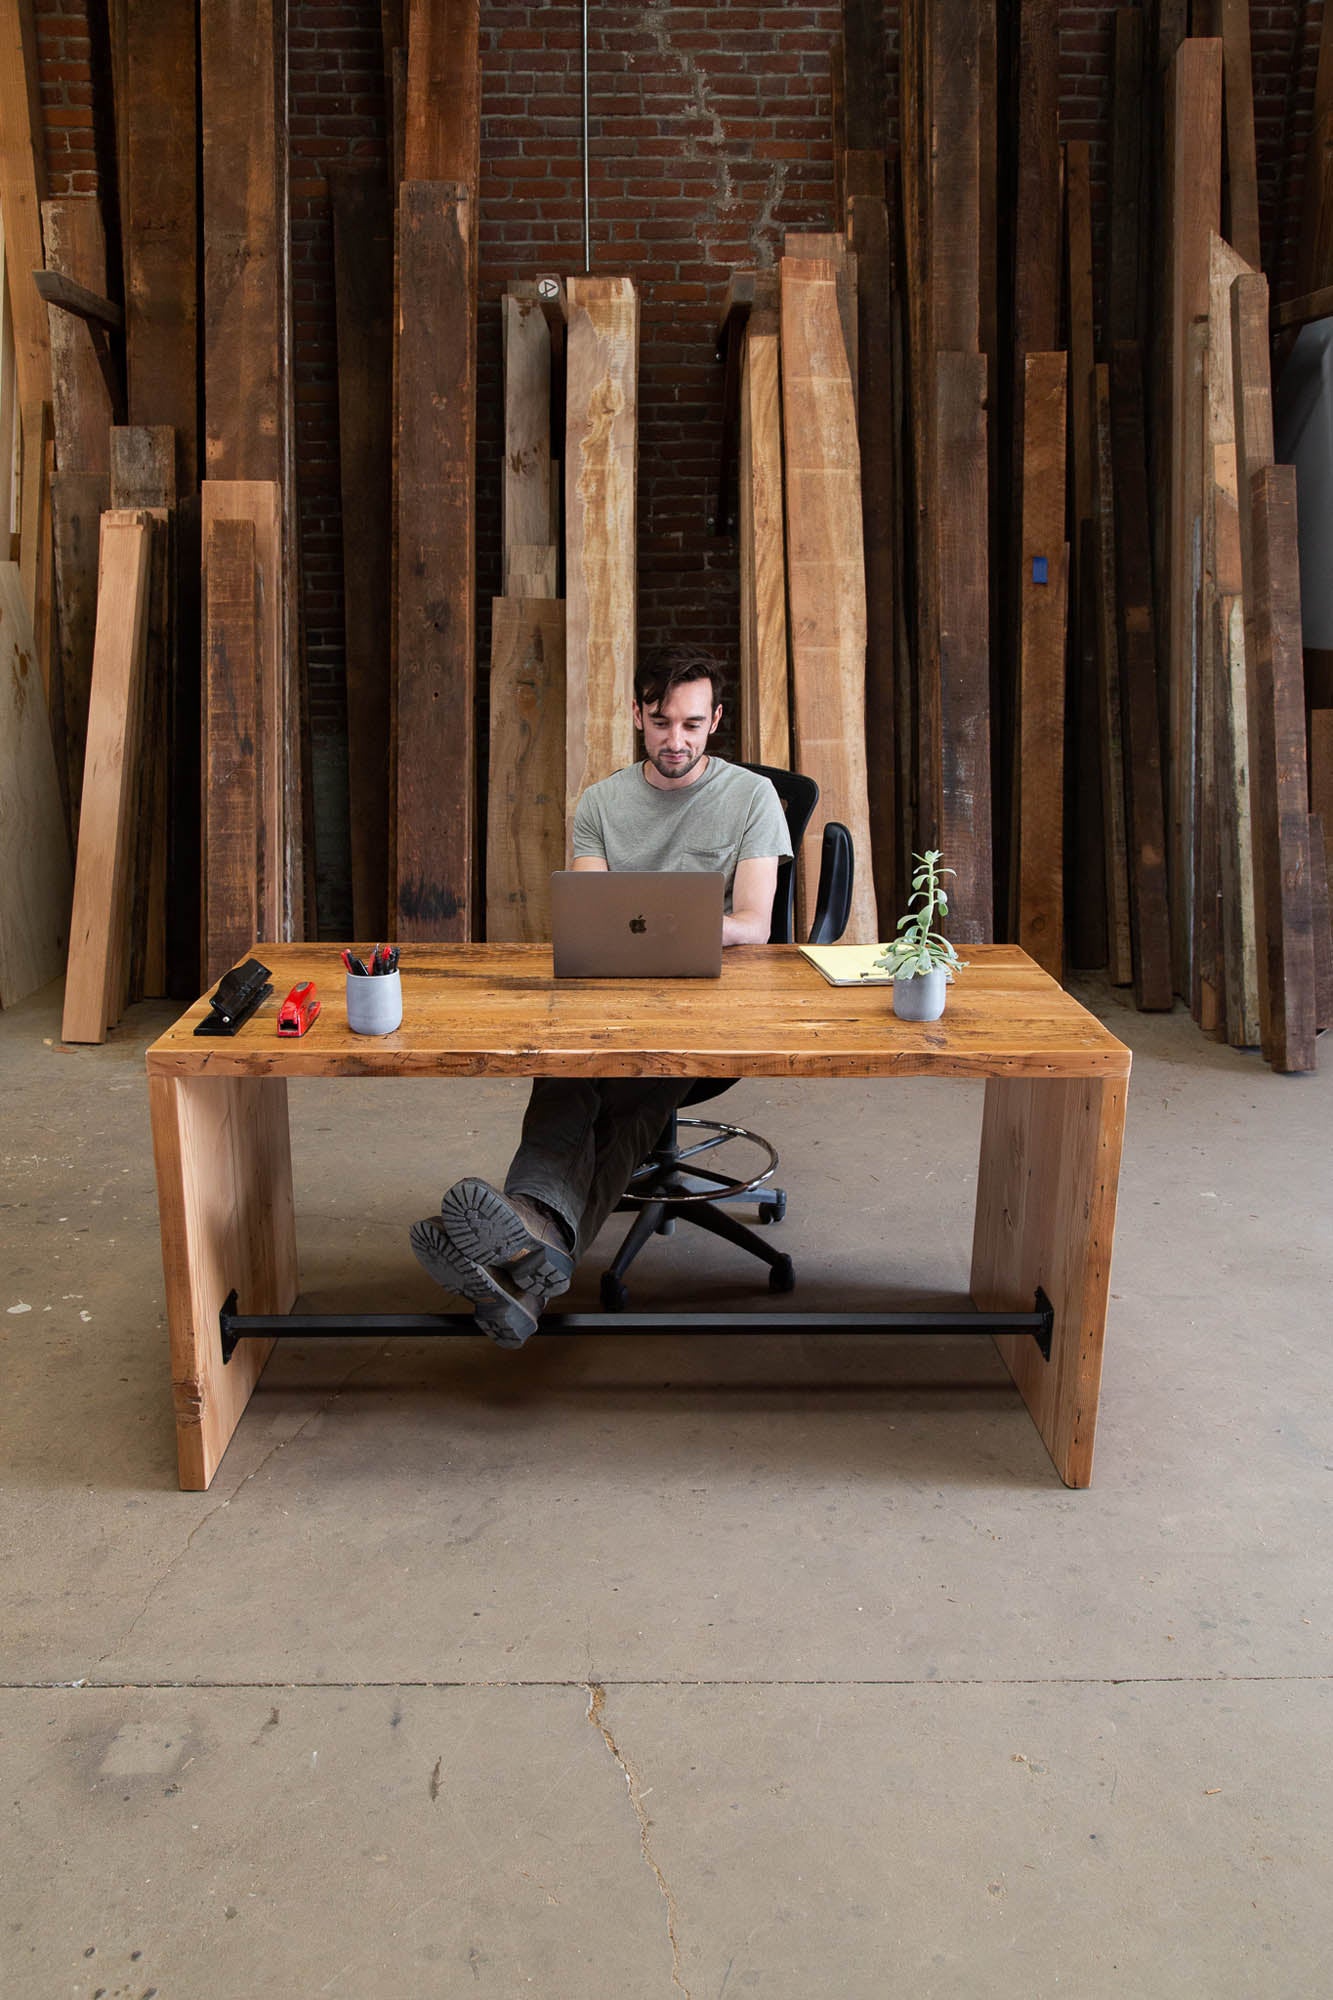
(653, 1180)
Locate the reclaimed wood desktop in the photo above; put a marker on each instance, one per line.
(1056, 1082)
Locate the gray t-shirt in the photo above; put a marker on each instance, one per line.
(728, 815)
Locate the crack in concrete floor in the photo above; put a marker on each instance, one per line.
(596, 1715)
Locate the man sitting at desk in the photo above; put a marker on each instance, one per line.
(583, 1137)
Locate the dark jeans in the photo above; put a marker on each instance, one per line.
(582, 1139)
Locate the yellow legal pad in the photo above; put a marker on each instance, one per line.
(849, 964)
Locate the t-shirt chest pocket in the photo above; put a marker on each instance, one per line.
(707, 860)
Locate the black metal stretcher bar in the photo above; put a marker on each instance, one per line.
(236, 1326)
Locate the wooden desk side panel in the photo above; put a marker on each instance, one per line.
(1046, 1202)
(224, 1186)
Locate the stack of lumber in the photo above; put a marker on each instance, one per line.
(1023, 555)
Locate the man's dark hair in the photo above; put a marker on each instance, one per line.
(664, 667)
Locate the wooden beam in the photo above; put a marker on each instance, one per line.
(962, 578)
(525, 840)
(1242, 179)
(1125, 209)
(1277, 751)
(83, 407)
(1043, 588)
(77, 502)
(247, 341)
(158, 118)
(35, 876)
(765, 716)
(259, 502)
(1195, 165)
(443, 104)
(363, 301)
(1223, 650)
(143, 477)
(78, 300)
(233, 653)
(601, 468)
(870, 238)
(435, 689)
(526, 468)
(1323, 930)
(22, 190)
(1090, 836)
(825, 570)
(98, 960)
(1314, 262)
(1102, 584)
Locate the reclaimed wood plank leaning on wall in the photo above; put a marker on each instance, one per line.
(363, 302)
(435, 687)
(143, 476)
(247, 340)
(35, 874)
(233, 709)
(526, 817)
(1043, 585)
(601, 528)
(825, 570)
(258, 501)
(95, 984)
(765, 714)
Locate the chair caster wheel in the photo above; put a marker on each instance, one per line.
(773, 1210)
(615, 1296)
(782, 1276)
(667, 1227)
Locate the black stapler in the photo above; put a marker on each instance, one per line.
(237, 994)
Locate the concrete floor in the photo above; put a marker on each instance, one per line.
(656, 1668)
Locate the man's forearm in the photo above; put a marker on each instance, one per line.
(746, 927)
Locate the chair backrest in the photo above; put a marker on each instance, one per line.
(799, 796)
(833, 904)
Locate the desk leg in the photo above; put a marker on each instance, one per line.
(224, 1192)
(1046, 1196)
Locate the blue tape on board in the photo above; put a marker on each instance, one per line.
(1039, 569)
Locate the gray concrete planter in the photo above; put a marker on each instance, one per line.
(919, 996)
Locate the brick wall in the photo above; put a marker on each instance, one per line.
(710, 135)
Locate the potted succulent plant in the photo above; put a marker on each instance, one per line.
(921, 960)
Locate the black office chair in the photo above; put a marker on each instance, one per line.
(673, 1185)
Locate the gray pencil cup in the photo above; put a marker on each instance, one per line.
(374, 1002)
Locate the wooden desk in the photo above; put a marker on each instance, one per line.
(1056, 1082)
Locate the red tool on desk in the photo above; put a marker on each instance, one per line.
(299, 1010)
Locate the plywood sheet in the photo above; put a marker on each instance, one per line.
(825, 571)
(601, 525)
(525, 831)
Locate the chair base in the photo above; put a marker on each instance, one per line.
(673, 1193)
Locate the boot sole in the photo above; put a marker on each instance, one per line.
(480, 1222)
(503, 1318)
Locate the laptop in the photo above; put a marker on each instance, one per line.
(636, 926)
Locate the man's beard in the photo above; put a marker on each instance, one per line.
(678, 770)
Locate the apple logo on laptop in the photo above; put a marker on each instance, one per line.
(637, 925)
